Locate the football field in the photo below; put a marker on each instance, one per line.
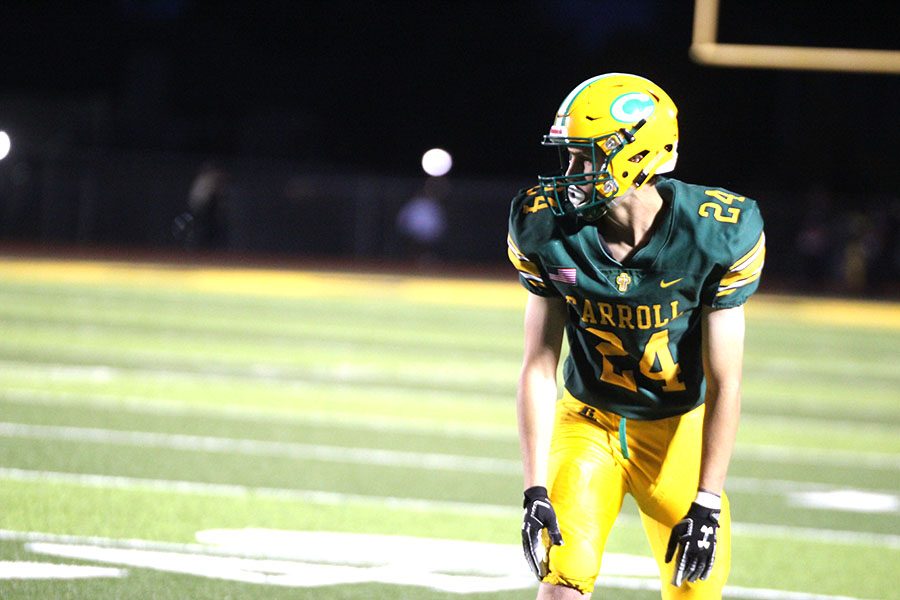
(179, 431)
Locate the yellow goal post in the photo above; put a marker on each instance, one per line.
(706, 50)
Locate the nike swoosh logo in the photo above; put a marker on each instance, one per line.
(665, 284)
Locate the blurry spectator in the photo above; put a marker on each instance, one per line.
(855, 257)
(205, 224)
(422, 221)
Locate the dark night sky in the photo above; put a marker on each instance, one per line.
(370, 85)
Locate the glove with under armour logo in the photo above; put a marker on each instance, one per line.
(695, 538)
(539, 514)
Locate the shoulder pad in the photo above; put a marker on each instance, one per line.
(729, 230)
(530, 219)
(725, 223)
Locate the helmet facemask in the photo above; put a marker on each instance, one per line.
(566, 189)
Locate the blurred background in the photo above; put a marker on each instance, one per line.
(295, 131)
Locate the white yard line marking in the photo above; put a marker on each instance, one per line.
(366, 456)
(146, 405)
(235, 490)
(851, 500)
(753, 485)
(406, 381)
(818, 456)
(407, 377)
(143, 405)
(225, 554)
(412, 504)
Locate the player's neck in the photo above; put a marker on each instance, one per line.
(630, 222)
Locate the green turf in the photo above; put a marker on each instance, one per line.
(378, 384)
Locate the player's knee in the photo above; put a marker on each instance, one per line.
(575, 564)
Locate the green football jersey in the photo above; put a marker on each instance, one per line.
(634, 327)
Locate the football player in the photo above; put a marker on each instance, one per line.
(647, 276)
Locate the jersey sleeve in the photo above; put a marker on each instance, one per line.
(526, 229)
(739, 273)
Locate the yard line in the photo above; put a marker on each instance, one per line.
(408, 378)
(342, 454)
(195, 443)
(117, 482)
(752, 485)
(605, 581)
(141, 405)
(146, 405)
(819, 456)
(39, 542)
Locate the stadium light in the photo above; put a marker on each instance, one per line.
(5, 145)
(437, 162)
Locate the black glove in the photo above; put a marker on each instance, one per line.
(539, 514)
(695, 536)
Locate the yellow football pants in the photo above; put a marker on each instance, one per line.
(590, 472)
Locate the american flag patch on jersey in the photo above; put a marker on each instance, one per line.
(563, 274)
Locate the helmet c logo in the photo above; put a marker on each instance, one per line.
(632, 107)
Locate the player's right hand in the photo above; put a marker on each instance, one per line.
(539, 515)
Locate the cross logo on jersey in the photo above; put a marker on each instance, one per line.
(623, 281)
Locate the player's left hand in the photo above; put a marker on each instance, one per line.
(695, 538)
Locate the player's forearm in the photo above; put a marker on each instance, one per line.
(723, 356)
(535, 407)
(720, 426)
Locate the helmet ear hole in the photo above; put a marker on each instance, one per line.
(639, 156)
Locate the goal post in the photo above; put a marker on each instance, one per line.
(706, 50)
